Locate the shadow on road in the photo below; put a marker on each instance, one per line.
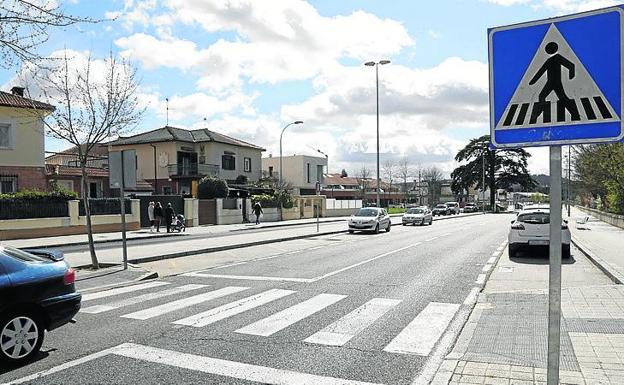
(539, 256)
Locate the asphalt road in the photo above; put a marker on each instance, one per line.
(360, 308)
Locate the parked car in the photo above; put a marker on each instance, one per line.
(531, 229)
(37, 293)
(453, 207)
(471, 208)
(370, 219)
(441, 209)
(417, 216)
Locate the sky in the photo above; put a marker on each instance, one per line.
(246, 68)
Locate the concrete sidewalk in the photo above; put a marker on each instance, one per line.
(505, 338)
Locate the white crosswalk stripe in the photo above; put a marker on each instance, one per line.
(233, 308)
(341, 331)
(122, 290)
(420, 336)
(141, 298)
(183, 303)
(281, 320)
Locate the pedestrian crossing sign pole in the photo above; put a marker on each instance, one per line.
(557, 82)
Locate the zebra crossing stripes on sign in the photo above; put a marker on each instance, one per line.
(557, 81)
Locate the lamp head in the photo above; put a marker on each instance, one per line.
(369, 63)
(382, 62)
(298, 122)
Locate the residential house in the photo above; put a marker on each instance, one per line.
(341, 187)
(22, 142)
(302, 172)
(63, 170)
(171, 158)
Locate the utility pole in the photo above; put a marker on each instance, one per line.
(483, 182)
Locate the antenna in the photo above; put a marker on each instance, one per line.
(167, 101)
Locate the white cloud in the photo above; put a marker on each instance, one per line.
(560, 6)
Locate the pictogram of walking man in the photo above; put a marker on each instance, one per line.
(552, 67)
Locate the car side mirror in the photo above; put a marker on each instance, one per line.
(513, 220)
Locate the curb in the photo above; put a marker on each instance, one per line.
(604, 266)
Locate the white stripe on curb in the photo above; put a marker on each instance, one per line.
(491, 260)
(472, 296)
(480, 279)
(486, 268)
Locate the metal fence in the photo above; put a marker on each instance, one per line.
(25, 209)
(104, 206)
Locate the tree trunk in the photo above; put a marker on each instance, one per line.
(85, 199)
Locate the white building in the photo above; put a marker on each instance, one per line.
(301, 171)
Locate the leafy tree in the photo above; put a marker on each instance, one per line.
(503, 168)
(211, 187)
(363, 178)
(599, 171)
(433, 177)
(343, 173)
(241, 179)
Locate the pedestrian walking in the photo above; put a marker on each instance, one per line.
(169, 214)
(150, 215)
(257, 209)
(158, 214)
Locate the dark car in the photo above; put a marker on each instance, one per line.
(441, 209)
(37, 293)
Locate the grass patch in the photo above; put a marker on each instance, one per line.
(395, 210)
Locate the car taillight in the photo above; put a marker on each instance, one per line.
(517, 226)
(70, 276)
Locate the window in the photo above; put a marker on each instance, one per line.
(308, 172)
(8, 184)
(228, 162)
(271, 171)
(247, 164)
(167, 190)
(6, 136)
(319, 173)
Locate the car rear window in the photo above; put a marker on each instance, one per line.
(22, 255)
(534, 218)
(415, 211)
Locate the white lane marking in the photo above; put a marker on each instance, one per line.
(233, 308)
(472, 296)
(491, 260)
(228, 265)
(363, 262)
(122, 290)
(184, 302)
(420, 336)
(281, 320)
(250, 277)
(480, 279)
(431, 239)
(232, 369)
(142, 298)
(486, 268)
(341, 331)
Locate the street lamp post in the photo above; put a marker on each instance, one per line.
(376, 65)
(280, 160)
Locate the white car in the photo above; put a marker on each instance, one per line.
(370, 219)
(532, 229)
(417, 216)
(453, 207)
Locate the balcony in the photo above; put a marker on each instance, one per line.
(192, 170)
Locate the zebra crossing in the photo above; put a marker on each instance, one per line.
(418, 337)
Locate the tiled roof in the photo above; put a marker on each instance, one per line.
(10, 100)
(336, 179)
(170, 134)
(97, 150)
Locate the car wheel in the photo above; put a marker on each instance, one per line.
(430, 221)
(404, 224)
(565, 251)
(512, 251)
(21, 336)
(376, 231)
(388, 228)
(350, 231)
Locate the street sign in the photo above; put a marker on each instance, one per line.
(557, 81)
(116, 165)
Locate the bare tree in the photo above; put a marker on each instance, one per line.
(433, 176)
(363, 178)
(405, 172)
(389, 169)
(26, 24)
(91, 107)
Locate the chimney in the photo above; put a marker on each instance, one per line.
(18, 91)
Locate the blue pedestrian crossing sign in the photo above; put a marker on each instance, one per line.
(557, 81)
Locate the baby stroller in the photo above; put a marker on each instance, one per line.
(178, 223)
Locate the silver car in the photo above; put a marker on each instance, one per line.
(417, 216)
(370, 219)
